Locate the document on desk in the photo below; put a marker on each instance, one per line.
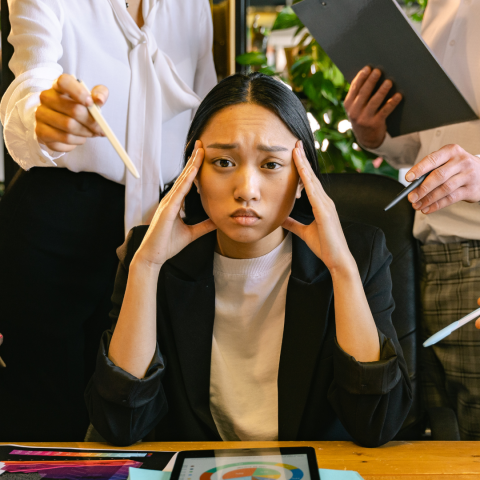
(356, 33)
(142, 474)
(75, 463)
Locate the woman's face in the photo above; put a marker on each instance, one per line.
(248, 181)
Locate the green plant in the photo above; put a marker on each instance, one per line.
(418, 9)
(322, 88)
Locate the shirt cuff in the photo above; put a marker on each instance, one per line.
(368, 378)
(384, 149)
(21, 139)
(118, 386)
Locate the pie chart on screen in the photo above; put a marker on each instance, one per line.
(246, 471)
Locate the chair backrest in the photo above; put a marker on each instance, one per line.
(362, 198)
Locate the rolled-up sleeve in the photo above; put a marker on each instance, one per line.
(373, 399)
(372, 378)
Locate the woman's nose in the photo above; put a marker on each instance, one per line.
(247, 186)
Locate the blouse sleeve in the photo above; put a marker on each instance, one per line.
(373, 399)
(123, 408)
(36, 36)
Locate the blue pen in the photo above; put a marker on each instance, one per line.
(445, 332)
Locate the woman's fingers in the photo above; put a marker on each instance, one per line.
(184, 182)
(53, 101)
(49, 135)
(61, 122)
(310, 181)
(69, 85)
(100, 95)
(202, 228)
(477, 323)
(295, 227)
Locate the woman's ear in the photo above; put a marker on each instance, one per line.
(300, 188)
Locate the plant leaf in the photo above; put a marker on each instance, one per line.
(286, 19)
(252, 58)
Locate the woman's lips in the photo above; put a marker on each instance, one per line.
(245, 217)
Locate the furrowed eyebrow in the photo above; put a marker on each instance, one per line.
(272, 148)
(263, 148)
(224, 146)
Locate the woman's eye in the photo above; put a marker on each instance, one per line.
(223, 162)
(271, 165)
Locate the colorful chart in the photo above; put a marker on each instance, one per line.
(51, 453)
(73, 469)
(254, 471)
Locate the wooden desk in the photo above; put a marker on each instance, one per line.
(394, 461)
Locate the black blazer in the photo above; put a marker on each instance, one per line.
(323, 393)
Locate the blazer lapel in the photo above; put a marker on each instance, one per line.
(190, 290)
(309, 296)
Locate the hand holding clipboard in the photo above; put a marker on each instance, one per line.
(459, 177)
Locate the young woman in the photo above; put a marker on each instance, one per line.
(245, 319)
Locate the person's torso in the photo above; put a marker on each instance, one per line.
(451, 28)
(250, 298)
(101, 56)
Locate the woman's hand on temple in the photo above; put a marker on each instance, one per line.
(324, 236)
(62, 118)
(168, 234)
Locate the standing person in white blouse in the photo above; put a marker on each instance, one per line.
(60, 225)
(447, 220)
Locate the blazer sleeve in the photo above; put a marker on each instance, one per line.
(123, 408)
(373, 399)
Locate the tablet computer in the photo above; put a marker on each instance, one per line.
(289, 463)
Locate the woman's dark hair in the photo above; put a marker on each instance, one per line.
(257, 89)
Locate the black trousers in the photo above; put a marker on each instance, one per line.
(58, 235)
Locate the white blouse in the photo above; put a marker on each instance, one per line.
(156, 75)
(250, 297)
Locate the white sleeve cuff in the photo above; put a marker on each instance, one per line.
(21, 140)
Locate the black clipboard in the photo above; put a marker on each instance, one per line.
(356, 33)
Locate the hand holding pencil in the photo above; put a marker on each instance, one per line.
(62, 119)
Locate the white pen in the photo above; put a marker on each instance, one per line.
(445, 332)
(97, 115)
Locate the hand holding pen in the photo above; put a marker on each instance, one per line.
(454, 177)
(62, 119)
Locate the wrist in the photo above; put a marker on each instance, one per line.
(142, 266)
(348, 270)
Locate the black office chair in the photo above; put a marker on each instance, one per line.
(362, 198)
